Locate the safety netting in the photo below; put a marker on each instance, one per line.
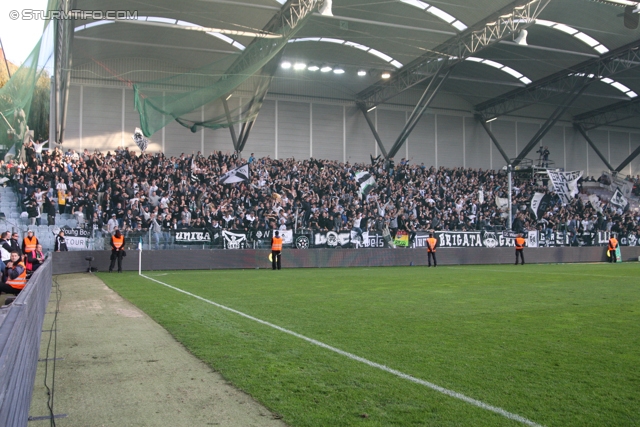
(202, 97)
(25, 95)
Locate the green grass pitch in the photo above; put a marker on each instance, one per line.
(555, 344)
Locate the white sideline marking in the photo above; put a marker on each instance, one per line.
(432, 386)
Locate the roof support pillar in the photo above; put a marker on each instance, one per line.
(64, 43)
(493, 138)
(590, 142)
(419, 110)
(551, 121)
(629, 159)
(373, 129)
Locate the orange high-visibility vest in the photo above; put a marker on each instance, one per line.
(432, 244)
(30, 244)
(520, 243)
(276, 244)
(21, 280)
(613, 244)
(118, 242)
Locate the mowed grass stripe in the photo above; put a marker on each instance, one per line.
(557, 351)
(402, 375)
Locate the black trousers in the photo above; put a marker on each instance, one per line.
(521, 253)
(116, 255)
(432, 255)
(275, 259)
(612, 256)
(8, 289)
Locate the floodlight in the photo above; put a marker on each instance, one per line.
(325, 9)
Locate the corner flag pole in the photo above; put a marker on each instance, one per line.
(140, 257)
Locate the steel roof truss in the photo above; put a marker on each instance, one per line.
(551, 121)
(609, 114)
(564, 81)
(499, 26)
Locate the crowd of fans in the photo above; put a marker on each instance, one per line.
(139, 192)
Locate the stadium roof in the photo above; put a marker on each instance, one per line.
(566, 42)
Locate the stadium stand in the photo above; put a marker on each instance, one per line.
(304, 194)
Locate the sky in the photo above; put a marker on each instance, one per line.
(19, 36)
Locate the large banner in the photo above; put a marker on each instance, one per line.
(480, 239)
(240, 239)
(565, 184)
(457, 239)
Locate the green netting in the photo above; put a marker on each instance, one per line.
(197, 98)
(24, 97)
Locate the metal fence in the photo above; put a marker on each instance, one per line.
(20, 334)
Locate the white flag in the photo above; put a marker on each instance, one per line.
(618, 199)
(140, 140)
(502, 203)
(367, 182)
(238, 174)
(565, 184)
(535, 203)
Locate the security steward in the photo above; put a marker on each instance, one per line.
(432, 243)
(276, 250)
(520, 248)
(117, 251)
(29, 243)
(15, 275)
(613, 244)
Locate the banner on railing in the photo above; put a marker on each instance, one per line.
(266, 235)
(234, 240)
(631, 239)
(192, 235)
(76, 238)
(241, 239)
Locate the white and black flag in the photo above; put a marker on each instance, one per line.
(540, 203)
(238, 174)
(565, 184)
(366, 182)
(140, 139)
(618, 199)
